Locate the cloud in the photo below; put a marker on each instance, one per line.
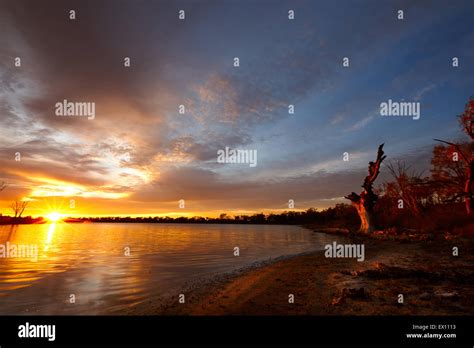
(207, 188)
(361, 123)
(419, 95)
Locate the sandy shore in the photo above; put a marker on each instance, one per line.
(431, 279)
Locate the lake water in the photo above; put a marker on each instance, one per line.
(88, 260)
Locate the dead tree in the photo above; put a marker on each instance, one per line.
(18, 208)
(466, 121)
(365, 202)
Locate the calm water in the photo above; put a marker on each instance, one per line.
(88, 260)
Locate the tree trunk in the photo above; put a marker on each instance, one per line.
(468, 187)
(364, 203)
(365, 215)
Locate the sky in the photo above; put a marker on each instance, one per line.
(140, 156)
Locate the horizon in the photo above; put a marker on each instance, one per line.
(214, 215)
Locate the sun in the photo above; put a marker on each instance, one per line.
(54, 216)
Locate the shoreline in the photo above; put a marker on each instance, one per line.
(431, 280)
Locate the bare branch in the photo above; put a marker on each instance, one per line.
(18, 207)
(464, 157)
(22, 207)
(374, 169)
(467, 119)
(15, 207)
(353, 197)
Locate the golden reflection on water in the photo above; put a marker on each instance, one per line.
(52, 228)
(20, 272)
(89, 260)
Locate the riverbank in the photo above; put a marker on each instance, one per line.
(431, 280)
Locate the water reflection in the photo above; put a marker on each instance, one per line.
(88, 260)
(51, 230)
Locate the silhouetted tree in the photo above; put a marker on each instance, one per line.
(466, 121)
(364, 203)
(449, 172)
(409, 186)
(18, 208)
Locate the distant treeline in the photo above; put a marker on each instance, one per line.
(10, 220)
(434, 217)
(438, 216)
(342, 213)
